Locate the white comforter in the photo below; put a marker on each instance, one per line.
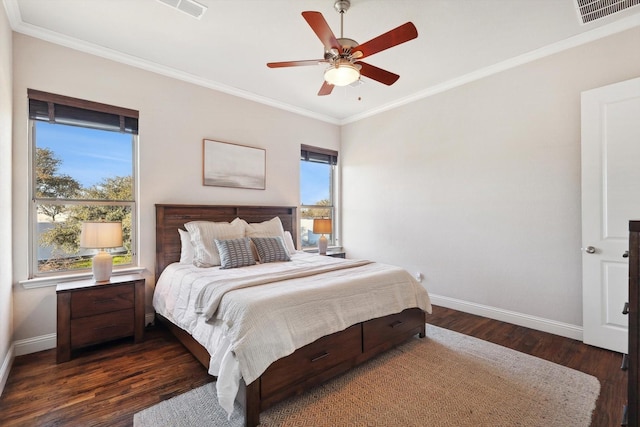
(249, 317)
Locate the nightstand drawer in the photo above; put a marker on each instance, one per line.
(101, 300)
(101, 327)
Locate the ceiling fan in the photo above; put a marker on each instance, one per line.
(345, 55)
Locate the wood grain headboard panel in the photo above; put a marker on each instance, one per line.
(171, 217)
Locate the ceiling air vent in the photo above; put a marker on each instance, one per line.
(591, 10)
(190, 7)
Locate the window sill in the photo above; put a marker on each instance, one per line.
(44, 282)
(314, 250)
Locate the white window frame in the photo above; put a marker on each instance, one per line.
(131, 116)
(331, 157)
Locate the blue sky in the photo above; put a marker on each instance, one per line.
(87, 155)
(314, 182)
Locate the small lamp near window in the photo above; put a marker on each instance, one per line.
(101, 235)
(322, 226)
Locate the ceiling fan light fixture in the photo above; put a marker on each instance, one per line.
(342, 73)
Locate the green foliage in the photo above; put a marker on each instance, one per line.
(317, 212)
(64, 236)
(50, 184)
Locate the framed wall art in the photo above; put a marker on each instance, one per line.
(232, 165)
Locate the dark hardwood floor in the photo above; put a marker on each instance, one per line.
(106, 385)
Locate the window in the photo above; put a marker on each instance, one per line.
(82, 169)
(317, 195)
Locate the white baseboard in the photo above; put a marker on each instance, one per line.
(6, 367)
(546, 325)
(35, 344)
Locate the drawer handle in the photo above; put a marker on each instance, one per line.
(322, 356)
(99, 328)
(103, 300)
(396, 323)
(625, 310)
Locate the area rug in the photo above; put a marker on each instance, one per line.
(446, 379)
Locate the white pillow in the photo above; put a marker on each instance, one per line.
(204, 233)
(186, 248)
(271, 228)
(288, 242)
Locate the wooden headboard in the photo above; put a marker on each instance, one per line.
(171, 217)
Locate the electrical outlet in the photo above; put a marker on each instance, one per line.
(419, 276)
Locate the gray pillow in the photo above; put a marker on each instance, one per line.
(270, 249)
(235, 253)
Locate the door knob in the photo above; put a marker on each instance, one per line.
(625, 254)
(590, 250)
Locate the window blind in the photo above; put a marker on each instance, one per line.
(60, 109)
(318, 155)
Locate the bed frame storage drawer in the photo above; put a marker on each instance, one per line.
(391, 330)
(310, 360)
(101, 300)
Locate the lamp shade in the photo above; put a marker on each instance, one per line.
(101, 234)
(321, 226)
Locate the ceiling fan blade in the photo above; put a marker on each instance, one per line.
(295, 63)
(319, 26)
(325, 89)
(378, 74)
(392, 38)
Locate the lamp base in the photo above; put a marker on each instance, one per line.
(102, 266)
(322, 245)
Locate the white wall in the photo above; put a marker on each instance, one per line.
(478, 187)
(174, 118)
(6, 109)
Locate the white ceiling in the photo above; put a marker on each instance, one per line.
(228, 48)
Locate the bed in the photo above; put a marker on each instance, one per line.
(303, 366)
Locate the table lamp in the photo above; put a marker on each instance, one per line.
(322, 226)
(101, 235)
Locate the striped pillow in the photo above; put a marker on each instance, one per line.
(235, 253)
(270, 249)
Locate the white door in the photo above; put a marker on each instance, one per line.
(610, 198)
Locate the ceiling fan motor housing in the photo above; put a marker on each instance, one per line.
(342, 5)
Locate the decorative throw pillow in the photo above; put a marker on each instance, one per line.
(271, 228)
(203, 234)
(186, 248)
(270, 249)
(235, 253)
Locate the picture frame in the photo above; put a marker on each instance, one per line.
(232, 165)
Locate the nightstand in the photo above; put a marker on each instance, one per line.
(336, 253)
(92, 313)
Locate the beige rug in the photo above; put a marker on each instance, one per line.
(447, 379)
